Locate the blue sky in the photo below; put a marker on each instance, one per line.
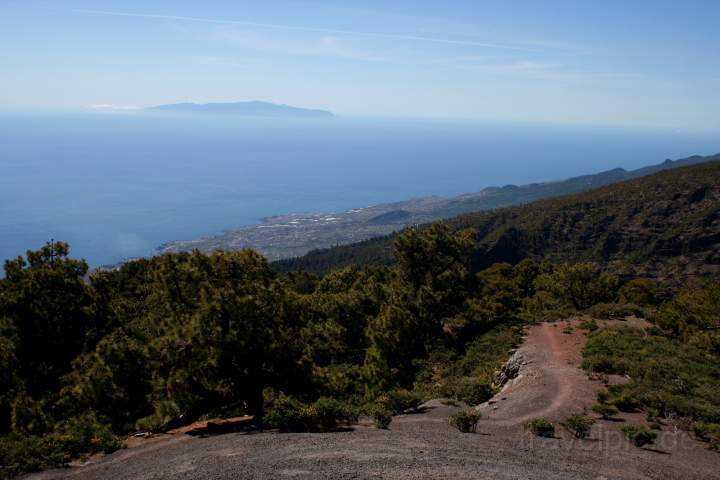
(631, 63)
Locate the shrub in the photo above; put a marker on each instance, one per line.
(28, 416)
(288, 414)
(708, 432)
(638, 435)
(382, 419)
(399, 401)
(666, 376)
(692, 316)
(473, 392)
(579, 285)
(579, 425)
(640, 291)
(27, 453)
(329, 412)
(541, 427)
(84, 434)
(605, 410)
(590, 325)
(627, 403)
(77, 437)
(465, 420)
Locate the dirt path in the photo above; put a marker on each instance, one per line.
(423, 446)
(550, 382)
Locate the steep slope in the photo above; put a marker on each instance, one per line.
(665, 225)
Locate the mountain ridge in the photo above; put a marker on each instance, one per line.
(665, 226)
(294, 235)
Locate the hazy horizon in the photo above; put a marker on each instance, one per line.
(118, 186)
(645, 64)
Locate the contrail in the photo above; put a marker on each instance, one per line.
(396, 36)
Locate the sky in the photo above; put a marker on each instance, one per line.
(637, 63)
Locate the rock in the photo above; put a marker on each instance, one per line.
(511, 368)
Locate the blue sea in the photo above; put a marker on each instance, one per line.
(117, 186)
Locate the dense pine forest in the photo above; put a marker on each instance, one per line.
(370, 329)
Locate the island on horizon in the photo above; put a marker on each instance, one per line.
(252, 108)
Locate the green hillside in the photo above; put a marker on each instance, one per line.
(87, 358)
(664, 226)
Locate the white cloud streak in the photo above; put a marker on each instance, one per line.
(329, 31)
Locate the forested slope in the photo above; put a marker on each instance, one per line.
(666, 225)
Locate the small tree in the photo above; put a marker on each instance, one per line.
(638, 435)
(605, 410)
(579, 425)
(541, 427)
(465, 420)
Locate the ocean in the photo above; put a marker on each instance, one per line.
(116, 186)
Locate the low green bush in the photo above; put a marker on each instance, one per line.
(640, 291)
(626, 402)
(579, 425)
(77, 437)
(84, 434)
(330, 411)
(465, 420)
(639, 435)
(288, 414)
(382, 419)
(399, 401)
(590, 325)
(541, 427)
(708, 432)
(473, 392)
(606, 411)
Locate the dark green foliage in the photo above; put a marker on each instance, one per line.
(638, 435)
(382, 418)
(47, 304)
(468, 376)
(77, 437)
(398, 401)
(589, 325)
(164, 341)
(606, 411)
(708, 432)
(667, 376)
(541, 427)
(579, 286)
(639, 291)
(692, 316)
(649, 226)
(465, 420)
(288, 414)
(579, 425)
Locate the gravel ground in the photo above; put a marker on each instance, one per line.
(423, 446)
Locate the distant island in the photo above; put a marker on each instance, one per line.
(250, 109)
